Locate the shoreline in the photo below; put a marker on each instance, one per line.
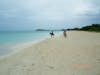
(20, 47)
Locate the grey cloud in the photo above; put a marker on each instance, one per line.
(35, 13)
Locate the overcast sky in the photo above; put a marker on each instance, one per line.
(32, 14)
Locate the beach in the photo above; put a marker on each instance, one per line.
(78, 54)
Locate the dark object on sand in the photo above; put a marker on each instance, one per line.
(65, 33)
(52, 34)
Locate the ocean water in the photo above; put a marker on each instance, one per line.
(12, 38)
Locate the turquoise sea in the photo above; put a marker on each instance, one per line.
(8, 39)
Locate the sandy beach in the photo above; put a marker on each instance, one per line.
(78, 54)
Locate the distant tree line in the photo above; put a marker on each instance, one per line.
(93, 27)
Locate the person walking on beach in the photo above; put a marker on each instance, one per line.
(52, 34)
(65, 33)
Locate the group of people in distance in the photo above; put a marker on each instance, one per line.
(64, 33)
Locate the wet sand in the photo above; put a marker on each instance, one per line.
(78, 54)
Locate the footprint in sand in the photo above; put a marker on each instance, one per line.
(98, 60)
(51, 67)
(33, 64)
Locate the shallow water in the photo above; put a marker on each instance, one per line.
(13, 38)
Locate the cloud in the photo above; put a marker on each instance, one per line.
(41, 13)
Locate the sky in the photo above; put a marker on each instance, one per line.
(48, 14)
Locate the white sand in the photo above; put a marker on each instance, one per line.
(78, 54)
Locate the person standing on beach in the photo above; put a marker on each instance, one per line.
(52, 34)
(65, 33)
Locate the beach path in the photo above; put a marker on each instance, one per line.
(78, 54)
